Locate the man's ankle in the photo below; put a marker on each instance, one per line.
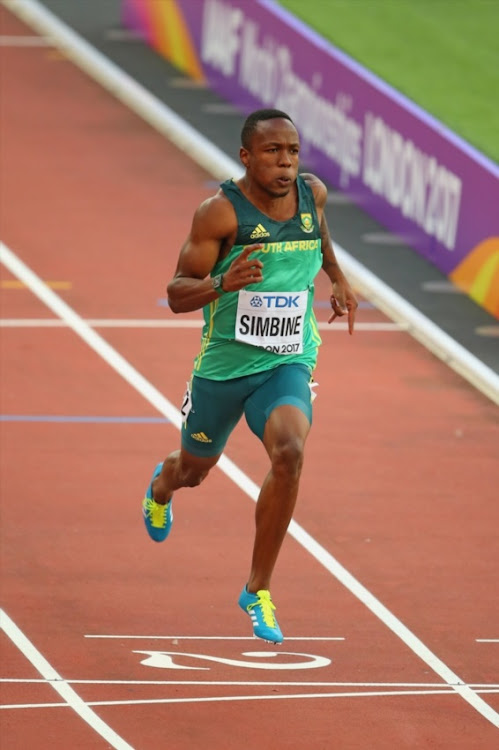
(158, 494)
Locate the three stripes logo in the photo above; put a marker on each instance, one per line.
(259, 232)
(201, 437)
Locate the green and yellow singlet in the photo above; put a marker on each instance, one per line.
(272, 322)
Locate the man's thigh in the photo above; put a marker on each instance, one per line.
(215, 409)
(287, 384)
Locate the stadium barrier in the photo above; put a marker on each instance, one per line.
(406, 169)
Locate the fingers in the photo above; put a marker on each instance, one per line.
(246, 265)
(250, 249)
(352, 306)
(339, 309)
(244, 270)
(352, 309)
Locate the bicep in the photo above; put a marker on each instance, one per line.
(201, 249)
(197, 257)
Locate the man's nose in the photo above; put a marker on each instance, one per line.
(285, 160)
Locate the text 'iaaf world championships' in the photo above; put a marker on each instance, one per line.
(389, 165)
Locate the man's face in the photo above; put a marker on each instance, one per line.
(272, 157)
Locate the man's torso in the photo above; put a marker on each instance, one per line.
(270, 323)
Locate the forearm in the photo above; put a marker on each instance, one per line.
(332, 268)
(330, 264)
(186, 294)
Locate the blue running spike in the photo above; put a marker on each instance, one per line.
(260, 608)
(157, 518)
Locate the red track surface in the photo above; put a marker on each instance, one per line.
(400, 483)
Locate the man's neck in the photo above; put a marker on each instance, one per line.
(278, 207)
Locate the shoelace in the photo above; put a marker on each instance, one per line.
(267, 606)
(156, 513)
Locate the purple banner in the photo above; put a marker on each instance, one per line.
(406, 169)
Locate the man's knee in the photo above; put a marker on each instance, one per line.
(287, 456)
(192, 470)
(191, 477)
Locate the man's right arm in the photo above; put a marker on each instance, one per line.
(191, 288)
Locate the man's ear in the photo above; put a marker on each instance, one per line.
(244, 156)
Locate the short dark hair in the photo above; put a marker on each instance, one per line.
(254, 118)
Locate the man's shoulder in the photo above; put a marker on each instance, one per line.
(318, 188)
(216, 210)
(315, 182)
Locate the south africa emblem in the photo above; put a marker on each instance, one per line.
(307, 223)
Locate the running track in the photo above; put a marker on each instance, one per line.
(391, 613)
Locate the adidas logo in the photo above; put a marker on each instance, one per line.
(201, 437)
(258, 232)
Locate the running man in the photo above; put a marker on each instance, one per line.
(249, 262)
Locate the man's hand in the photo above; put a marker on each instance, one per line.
(343, 302)
(243, 270)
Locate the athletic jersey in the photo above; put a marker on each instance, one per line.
(272, 322)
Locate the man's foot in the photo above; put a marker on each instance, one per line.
(158, 518)
(260, 608)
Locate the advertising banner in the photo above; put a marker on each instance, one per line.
(406, 169)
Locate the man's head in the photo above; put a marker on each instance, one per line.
(269, 151)
(261, 115)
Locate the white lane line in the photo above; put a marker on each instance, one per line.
(61, 309)
(181, 323)
(151, 394)
(221, 167)
(252, 683)
(213, 638)
(11, 40)
(72, 699)
(237, 698)
(487, 640)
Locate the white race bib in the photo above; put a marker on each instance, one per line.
(272, 320)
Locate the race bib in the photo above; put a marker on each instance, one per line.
(272, 320)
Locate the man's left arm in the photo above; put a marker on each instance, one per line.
(343, 299)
